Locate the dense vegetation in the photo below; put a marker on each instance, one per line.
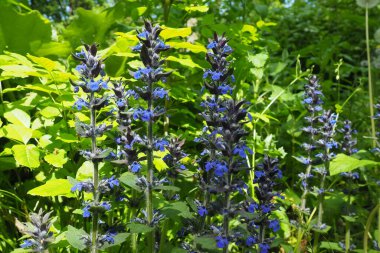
(189, 126)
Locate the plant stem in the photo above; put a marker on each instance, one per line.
(95, 216)
(348, 231)
(149, 176)
(370, 87)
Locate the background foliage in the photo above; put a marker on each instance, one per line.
(276, 44)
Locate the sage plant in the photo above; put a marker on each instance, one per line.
(93, 84)
(223, 163)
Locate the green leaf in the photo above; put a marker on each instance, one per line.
(18, 133)
(18, 117)
(176, 209)
(205, 242)
(46, 63)
(85, 171)
(7, 163)
(169, 32)
(44, 141)
(129, 179)
(119, 239)
(167, 188)
(20, 71)
(53, 187)
(50, 112)
(331, 245)
(137, 228)
(57, 158)
(74, 237)
(258, 60)
(27, 155)
(200, 8)
(188, 62)
(377, 36)
(343, 163)
(367, 3)
(195, 48)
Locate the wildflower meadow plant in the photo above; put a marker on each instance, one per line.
(92, 83)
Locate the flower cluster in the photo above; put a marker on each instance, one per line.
(92, 84)
(223, 162)
(38, 231)
(348, 143)
(257, 213)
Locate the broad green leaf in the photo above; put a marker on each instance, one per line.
(206, 242)
(20, 71)
(331, 246)
(137, 228)
(67, 138)
(178, 208)
(200, 8)
(252, 30)
(74, 237)
(188, 62)
(22, 32)
(18, 133)
(18, 117)
(195, 48)
(57, 158)
(44, 141)
(53, 187)
(169, 32)
(26, 155)
(50, 112)
(85, 171)
(7, 163)
(129, 179)
(343, 163)
(258, 60)
(167, 188)
(141, 10)
(119, 239)
(46, 63)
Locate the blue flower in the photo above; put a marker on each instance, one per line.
(160, 145)
(265, 208)
(259, 174)
(160, 93)
(120, 103)
(252, 207)
(143, 35)
(76, 187)
(274, 225)
(86, 211)
(144, 115)
(220, 169)
(113, 182)
(105, 205)
(80, 103)
(109, 237)
(227, 49)
(250, 241)
(241, 151)
(144, 71)
(216, 75)
(137, 48)
(202, 211)
(221, 242)
(135, 167)
(94, 85)
(308, 100)
(264, 248)
(224, 89)
(76, 89)
(212, 45)
(27, 243)
(80, 68)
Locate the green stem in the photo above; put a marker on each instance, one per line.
(368, 226)
(370, 87)
(149, 176)
(348, 231)
(95, 216)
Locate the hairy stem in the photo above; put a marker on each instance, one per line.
(150, 173)
(95, 217)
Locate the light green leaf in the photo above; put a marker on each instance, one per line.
(53, 187)
(195, 48)
(74, 237)
(137, 228)
(21, 71)
(258, 60)
(18, 117)
(343, 163)
(57, 158)
(188, 62)
(331, 246)
(50, 112)
(129, 179)
(46, 63)
(85, 171)
(44, 141)
(200, 8)
(169, 32)
(18, 133)
(27, 155)
(176, 209)
(119, 239)
(367, 3)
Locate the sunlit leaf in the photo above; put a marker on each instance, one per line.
(200, 8)
(53, 187)
(169, 32)
(18, 133)
(18, 117)
(343, 163)
(57, 158)
(27, 155)
(74, 237)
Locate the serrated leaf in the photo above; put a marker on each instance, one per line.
(343, 163)
(18, 117)
(57, 158)
(258, 60)
(137, 228)
(46, 63)
(200, 8)
(169, 32)
(27, 155)
(74, 237)
(50, 112)
(53, 187)
(18, 133)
